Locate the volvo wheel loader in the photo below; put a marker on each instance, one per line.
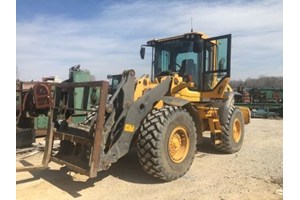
(164, 115)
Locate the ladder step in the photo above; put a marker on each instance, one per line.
(216, 120)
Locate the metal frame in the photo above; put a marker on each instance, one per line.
(95, 142)
(228, 67)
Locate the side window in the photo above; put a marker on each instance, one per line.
(115, 83)
(222, 54)
(165, 60)
(209, 55)
(217, 61)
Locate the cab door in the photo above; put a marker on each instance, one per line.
(216, 61)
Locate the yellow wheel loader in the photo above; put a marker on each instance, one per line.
(164, 115)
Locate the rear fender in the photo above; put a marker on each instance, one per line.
(226, 104)
(246, 113)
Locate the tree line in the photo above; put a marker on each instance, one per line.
(261, 82)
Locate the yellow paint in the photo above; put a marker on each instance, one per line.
(179, 144)
(203, 35)
(142, 85)
(185, 90)
(210, 117)
(159, 105)
(181, 90)
(219, 91)
(129, 128)
(237, 131)
(191, 96)
(246, 114)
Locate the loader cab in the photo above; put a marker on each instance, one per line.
(194, 56)
(114, 82)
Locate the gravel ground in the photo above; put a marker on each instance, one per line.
(255, 172)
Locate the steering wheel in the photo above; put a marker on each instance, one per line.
(165, 73)
(178, 66)
(170, 71)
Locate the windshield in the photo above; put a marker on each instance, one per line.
(177, 56)
(205, 62)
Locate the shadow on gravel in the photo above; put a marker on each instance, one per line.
(207, 147)
(127, 168)
(61, 179)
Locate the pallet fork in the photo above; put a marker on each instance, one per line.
(80, 145)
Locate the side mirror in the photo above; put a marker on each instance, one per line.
(142, 52)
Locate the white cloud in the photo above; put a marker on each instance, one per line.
(110, 41)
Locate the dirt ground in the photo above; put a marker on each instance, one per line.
(255, 172)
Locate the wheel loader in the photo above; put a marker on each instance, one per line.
(163, 115)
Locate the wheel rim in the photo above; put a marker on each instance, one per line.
(237, 132)
(179, 144)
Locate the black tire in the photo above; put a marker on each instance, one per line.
(232, 142)
(155, 148)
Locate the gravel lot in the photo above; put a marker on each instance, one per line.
(255, 172)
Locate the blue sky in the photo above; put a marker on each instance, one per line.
(105, 36)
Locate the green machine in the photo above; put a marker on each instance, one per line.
(33, 103)
(263, 102)
(76, 75)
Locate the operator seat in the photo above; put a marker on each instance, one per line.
(189, 69)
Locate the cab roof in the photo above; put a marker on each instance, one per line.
(186, 35)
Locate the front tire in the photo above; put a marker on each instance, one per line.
(167, 143)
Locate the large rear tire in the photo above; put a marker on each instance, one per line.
(167, 143)
(232, 135)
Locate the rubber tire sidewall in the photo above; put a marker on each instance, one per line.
(186, 121)
(236, 146)
(153, 141)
